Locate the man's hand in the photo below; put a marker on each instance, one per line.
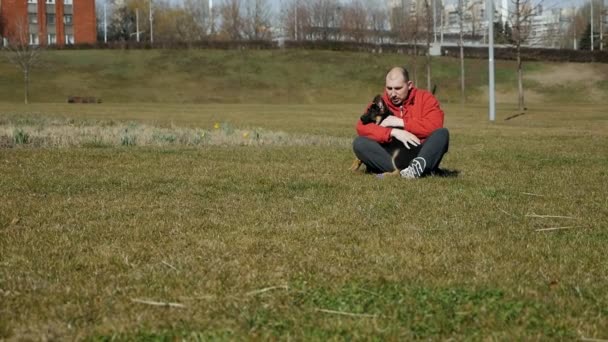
(405, 137)
(392, 121)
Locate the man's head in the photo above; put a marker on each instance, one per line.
(398, 85)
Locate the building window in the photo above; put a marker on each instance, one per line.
(32, 18)
(50, 19)
(52, 39)
(33, 39)
(50, 1)
(69, 39)
(32, 1)
(67, 19)
(67, 2)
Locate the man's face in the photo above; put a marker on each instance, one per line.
(397, 89)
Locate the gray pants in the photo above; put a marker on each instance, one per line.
(378, 157)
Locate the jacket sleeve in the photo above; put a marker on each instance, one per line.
(374, 132)
(429, 119)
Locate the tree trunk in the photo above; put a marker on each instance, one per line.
(26, 81)
(461, 43)
(428, 66)
(520, 81)
(428, 46)
(415, 59)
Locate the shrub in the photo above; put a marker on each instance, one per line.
(20, 137)
(127, 138)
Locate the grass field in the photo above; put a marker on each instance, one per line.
(281, 77)
(237, 236)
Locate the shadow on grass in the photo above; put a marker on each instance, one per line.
(445, 173)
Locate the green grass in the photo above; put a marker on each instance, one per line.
(262, 77)
(280, 241)
(143, 198)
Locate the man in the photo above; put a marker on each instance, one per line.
(413, 135)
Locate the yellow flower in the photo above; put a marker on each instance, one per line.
(246, 135)
(217, 125)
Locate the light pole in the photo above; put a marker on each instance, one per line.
(151, 22)
(591, 3)
(137, 23)
(492, 104)
(105, 21)
(601, 25)
(574, 26)
(434, 2)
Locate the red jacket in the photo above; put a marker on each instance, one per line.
(420, 112)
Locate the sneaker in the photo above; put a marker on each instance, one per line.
(415, 169)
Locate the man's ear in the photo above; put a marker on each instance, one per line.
(410, 85)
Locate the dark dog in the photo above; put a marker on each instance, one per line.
(376, 113)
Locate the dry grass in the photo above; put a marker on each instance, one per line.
(63, 133)
(281, 242)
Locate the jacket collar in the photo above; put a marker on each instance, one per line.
(408, 101)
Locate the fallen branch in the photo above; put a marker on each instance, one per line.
(508, 213)
(153, 303)
(350, 314)
(589, 339)
(266, 289)
(531, 194)
(169, 265)
(551, 216)
(553, 228)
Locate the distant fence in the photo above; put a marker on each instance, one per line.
(505, 53)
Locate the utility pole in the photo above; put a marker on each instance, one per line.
(591, 3)
(105, 21)
(492, 104)
(211, 17)
(296, 22)
(601, 25)
(137, 23)
(441, 23)
(434, 2)
(461, 44)
(574, 26)
(151, 22)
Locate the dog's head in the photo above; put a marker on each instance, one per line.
(376, 112)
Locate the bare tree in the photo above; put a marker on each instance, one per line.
(461, 46)
(412, 32)
(200, 17)
(377, 19)
(232, 21)
(22, 54)
(428, 17)
(325, 18)
(354, 20)
(296, 19)
(521, 23)
(399, 17)
(257, 20)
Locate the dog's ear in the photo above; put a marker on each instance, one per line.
(375, 111)
(370, 115)
(385, 109)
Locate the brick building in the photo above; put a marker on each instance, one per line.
(49, 22)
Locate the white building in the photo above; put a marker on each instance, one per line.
(548, 27)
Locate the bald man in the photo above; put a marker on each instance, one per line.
(413, 135)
